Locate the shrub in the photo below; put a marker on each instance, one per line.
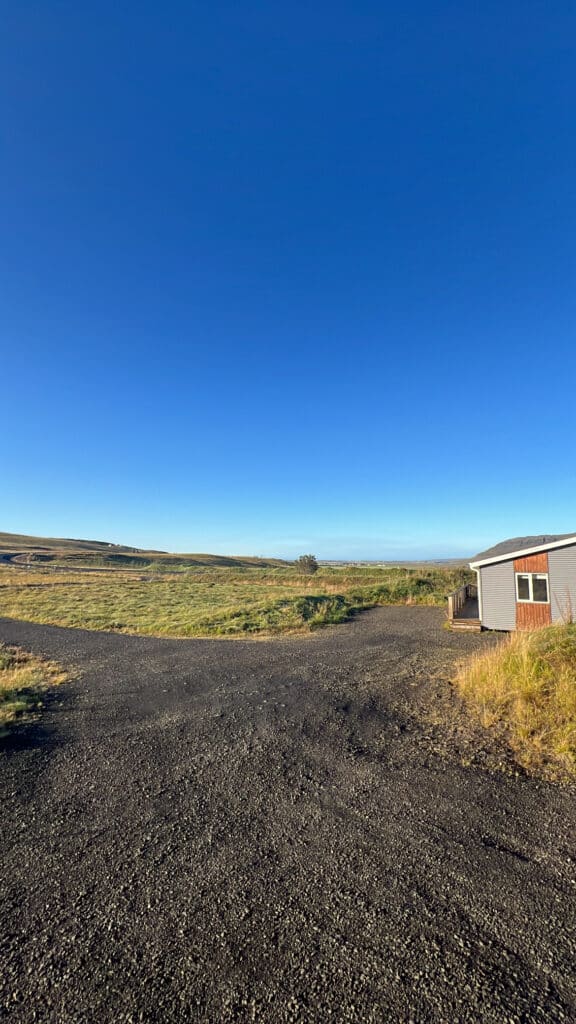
(307, 563)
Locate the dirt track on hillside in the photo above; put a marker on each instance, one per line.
(302, 830)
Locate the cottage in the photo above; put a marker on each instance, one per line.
(522, 583)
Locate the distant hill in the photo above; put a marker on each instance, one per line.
(69, 551)
(20, 540)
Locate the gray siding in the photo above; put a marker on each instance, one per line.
(562, 574)
(498, 596)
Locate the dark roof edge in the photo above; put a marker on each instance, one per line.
(510, 547)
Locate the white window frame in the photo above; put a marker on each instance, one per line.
(531, 577)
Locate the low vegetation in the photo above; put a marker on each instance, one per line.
(527, 685)
(23, 681)
(214, 600)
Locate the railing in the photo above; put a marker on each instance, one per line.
(457, 599)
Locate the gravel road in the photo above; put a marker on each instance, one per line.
(304, 830)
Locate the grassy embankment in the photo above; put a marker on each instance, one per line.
(215, 600)
(527, 685)
(23, 680)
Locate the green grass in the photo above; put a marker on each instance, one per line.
(23, 680)
(214, 601)
(528, 686)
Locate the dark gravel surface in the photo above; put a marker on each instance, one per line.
(298, 830)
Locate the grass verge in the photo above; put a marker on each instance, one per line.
(23, 680)
(527, 685)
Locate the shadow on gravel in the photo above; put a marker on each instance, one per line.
(29, 736)
(40, 729)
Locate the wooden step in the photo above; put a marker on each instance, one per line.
(472, 625)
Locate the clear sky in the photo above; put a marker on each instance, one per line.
(279, 277)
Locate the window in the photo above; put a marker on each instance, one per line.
(540, 588)
(523, 587)
(532, 587)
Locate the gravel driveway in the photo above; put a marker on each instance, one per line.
(303, 830)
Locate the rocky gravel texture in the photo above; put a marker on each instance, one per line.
(301, 830)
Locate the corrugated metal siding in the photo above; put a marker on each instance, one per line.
(562, 572)
(498, 596)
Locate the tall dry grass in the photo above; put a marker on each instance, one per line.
(23, 679)
(528, 685)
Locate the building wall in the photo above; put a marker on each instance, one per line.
(532, 563)
(498, 596)
(531, 615)
(499, 608)
(562, 572)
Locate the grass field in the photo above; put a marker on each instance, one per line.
(214, 600)
(23, 680)
(527, 685)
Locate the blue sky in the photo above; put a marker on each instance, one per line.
(288, 277)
